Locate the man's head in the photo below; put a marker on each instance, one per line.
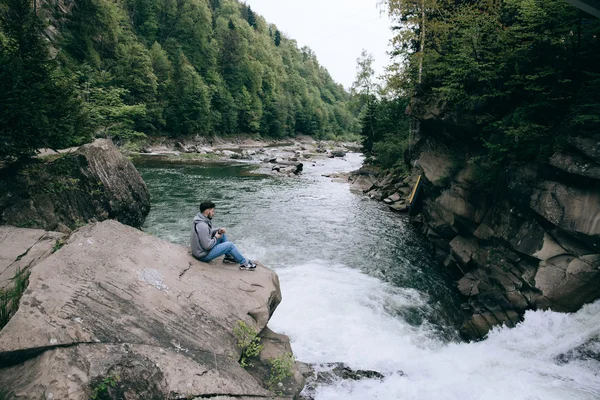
(207, 208)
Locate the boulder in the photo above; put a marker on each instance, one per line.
(400, 206)
(362, 183)
(180, 147)
(117, 305)
(572, 208)
(436, 161)
(331, 373)
(463, 249)
(576, 164)
(567, 282)
(277, 348)
(338, 153)
(589, 146)
(94, 183)
(395, 197)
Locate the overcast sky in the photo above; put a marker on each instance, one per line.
(337, 31)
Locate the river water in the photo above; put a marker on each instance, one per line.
(360, 287)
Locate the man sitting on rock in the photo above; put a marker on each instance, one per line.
(209, 243)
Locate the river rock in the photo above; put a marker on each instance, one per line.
(94, 183)
(330, 373)
(115, 304)
(362, 183)
(394, 198)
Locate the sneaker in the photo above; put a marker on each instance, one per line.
(249, 266)
(229, 259)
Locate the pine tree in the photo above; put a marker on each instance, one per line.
(277, 38)
(251, 17)
(38, 104)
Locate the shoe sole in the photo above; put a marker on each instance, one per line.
(248, 269)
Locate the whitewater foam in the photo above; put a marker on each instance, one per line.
(337, 314)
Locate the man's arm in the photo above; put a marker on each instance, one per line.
(205, 236)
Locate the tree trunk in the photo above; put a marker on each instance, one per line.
(422, 49)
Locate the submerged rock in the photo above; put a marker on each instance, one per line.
(117, 305)
(327, 374)
(94, 183)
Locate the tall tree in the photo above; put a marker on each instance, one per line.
(38, 104)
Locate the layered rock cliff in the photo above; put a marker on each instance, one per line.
(534, 244)
(116, 313)
(94, 183)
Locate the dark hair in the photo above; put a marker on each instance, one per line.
(205, 205)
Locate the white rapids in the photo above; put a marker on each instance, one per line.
(337, 314)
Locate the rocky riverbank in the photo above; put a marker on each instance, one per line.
(122, 314)
(277, 157)
(533, 245)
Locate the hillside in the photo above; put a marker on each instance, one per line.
(127, 68)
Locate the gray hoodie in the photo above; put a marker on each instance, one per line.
(203, 236)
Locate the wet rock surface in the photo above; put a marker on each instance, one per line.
(327, 374)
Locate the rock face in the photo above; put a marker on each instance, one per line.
(127, 315)
(94, 183)
(535, 245)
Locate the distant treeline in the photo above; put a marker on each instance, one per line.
(70, 71)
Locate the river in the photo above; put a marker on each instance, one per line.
(360, 287)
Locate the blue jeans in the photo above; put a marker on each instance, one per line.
(224, 247)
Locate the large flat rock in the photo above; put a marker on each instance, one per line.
(116, 302)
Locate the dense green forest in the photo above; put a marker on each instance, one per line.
(514, 78)
(70, 71)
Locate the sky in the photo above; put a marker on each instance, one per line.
(336, 30)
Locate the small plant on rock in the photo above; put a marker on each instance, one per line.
(100, 391)
(9, 298)
(282, 367)
(248, 341)
(59, 243)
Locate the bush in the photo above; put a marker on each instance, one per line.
(389, 153)
(248, 341)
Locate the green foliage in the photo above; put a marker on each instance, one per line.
(38, 104)
(248, 341)
(101, 390)
(9, 298)
(282, 368)
(57, 246)
(196, 67)
(520, 76)
(143, 67)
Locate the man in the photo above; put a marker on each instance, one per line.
(209, 243)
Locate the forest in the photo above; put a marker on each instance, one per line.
(517, 78)
(129, 69)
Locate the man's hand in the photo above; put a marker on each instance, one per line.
(222, 231)
(218, 235)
